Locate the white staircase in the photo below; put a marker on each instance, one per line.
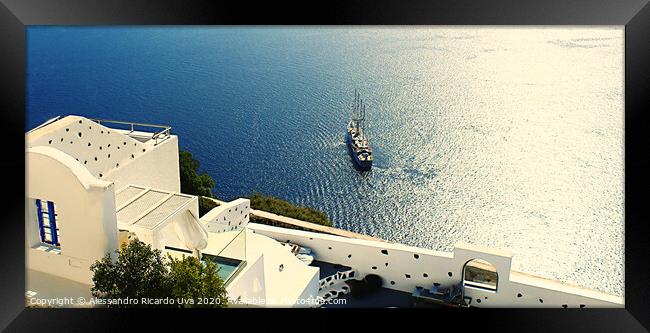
(334, 285)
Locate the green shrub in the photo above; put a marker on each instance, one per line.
(285, 208)
(138, 272)
(141, 272)
(191, 181)
(192, 279)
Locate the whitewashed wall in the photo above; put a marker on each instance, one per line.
(403, 268)
(249, 285)
(111, 155)
(86, 214)
(228, 216)
(157, 167)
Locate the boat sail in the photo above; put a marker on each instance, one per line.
(356, 138)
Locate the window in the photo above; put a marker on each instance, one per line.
(47, 219)
(480, 274)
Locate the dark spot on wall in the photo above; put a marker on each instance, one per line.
(50, 142)
(386, 264)
(384, 252)
(80, 121)
(79, 134)
(541, 300)
(85, 162)
(392, 282)
(100, 147)
(425, 275)
(416, 256)
(565, 306)
(478, 300)
(349, 256)
(117, 165)
(109, 155)
(408, 276)
(100, 175)
(436, 284)
(519, 295)
(132, 156)
(143, 150)
(89, 144)
(450, 275)
(582, 306)
(61, 139)
(95, 158)
(109, 145)
(374, 267)
(329, 248)
(67, 130)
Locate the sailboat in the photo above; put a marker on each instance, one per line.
(356, 139)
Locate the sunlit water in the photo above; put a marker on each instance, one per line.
(504, 137)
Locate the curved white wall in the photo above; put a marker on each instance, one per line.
(97, 147)
(86, 214)
(228, 216)
(403, 268)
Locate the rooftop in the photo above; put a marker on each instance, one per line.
(99, 148)
(146, 207)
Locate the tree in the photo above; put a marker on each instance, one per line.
(138, 272)
(193, 279)
(191, 181)
(142, 272)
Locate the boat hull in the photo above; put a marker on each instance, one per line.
(361, 165)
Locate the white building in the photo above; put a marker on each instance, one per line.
(90, 187)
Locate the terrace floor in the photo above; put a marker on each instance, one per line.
(384, 298)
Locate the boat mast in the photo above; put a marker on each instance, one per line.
(363, 118)
(360, 114)
(363, 121)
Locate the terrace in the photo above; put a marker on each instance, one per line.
(383, 298)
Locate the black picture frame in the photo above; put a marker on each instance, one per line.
(17, 15)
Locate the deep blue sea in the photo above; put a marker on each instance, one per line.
(503, 137)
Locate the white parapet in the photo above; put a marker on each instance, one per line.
(227, 216)
(404, 268)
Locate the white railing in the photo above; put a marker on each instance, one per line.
(162, 134)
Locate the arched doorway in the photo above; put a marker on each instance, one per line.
(481, 274)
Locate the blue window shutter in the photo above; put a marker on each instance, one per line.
(39, 213)
(50, 211)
